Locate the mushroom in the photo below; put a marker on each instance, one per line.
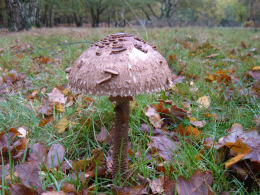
(120, 66)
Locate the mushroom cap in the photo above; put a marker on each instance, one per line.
(120, 65)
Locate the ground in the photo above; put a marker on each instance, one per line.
(215, 70)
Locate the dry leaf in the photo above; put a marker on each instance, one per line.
(45, 121)
(204, 102)
(199, 184)
(22, 131)
(62, 124)
(154, 117)
(136, 190)
(187, 132)
(103, 135)
(29, 175)
(19, 189)
(243, 44)
(157, 185)
(39, 153)
(56, 96)
(164, 146)
(55, 155)
(212, 56)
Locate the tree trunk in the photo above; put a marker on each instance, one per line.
(78, 20)
(22, 14)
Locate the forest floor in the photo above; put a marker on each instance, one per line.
(200, 135)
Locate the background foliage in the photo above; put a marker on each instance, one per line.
(22, 14)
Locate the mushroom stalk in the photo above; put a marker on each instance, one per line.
(120, 148)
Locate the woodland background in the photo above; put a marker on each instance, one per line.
(23, 14)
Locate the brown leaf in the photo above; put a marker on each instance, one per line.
(54, 193)
(137, 190)
(33, 94)
(254, 74)
(68, 188)
(157, 185)
(101, 171)
(243, 44)
(187, 132)
(62, 125)
(249, 139)
(19, 189)
(241, 150)
(56, 96)
(199, 124)
(178, 113)
(55, 155)
(154, 117)
(103, 135)
(199, 184)
(169, 186)
(46, 120)
(29, 175)
(41, 60)
(256, 88)
(39, 153)
(164, 146)
(89, 163)
(46, 108)
(212, 56)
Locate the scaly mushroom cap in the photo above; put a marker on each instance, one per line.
(120, 65)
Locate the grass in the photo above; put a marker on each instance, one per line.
(62, 44)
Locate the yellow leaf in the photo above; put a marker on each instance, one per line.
(242, 149)
(256, 68)
(62, 125)
(59, 107)
(204, 102)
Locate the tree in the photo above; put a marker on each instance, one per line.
(96, 8)
(22, 14)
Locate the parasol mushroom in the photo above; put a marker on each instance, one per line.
(120, 66)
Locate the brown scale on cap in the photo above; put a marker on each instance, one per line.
(120, 66)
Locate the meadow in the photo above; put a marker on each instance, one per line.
(216, 74)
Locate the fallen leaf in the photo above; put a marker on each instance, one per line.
(188, 131)
(249, 139)
(19, 189)
(68, 188)
(243, 44)
(22, 131)
(199, 124)
(199, 184)
(45, 121)
(172, 58)
(164, 146)
(156, 185)
(55, 155)
(38, 153)
(204, 102)
(103, 135)
(212, 56)
(33, 94)
(241, 150)
(29, 175)
(154, 117)
(54, 193)
(41, 60)
(56, 96)
(62, 124)
(136, 190)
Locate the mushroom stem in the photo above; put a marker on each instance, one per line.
(120, 148)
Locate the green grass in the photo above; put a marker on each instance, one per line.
(80, 138)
